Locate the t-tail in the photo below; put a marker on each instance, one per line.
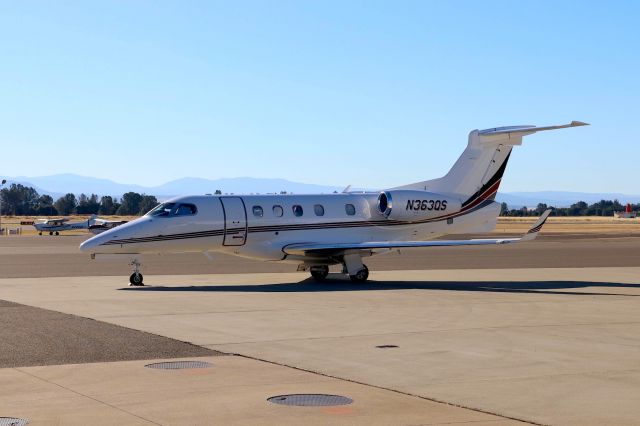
(477, 174)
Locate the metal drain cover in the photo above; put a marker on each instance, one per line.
(310, 400)
(177, 365)
(12, 421)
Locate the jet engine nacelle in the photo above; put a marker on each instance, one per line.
(407, 205)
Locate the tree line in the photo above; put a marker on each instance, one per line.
(20, 200)
(581, 208)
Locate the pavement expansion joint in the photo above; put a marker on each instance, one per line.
(115, 407)
(438, 401)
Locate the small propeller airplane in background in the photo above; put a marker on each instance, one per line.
(316, 231)
(94, 224)
(55, 226)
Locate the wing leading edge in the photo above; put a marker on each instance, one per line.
(337, 248)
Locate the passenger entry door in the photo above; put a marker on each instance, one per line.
(235, 221)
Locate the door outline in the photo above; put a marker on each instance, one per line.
(229, 241)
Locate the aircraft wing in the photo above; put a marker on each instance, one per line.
(55, 222)
(340, 248)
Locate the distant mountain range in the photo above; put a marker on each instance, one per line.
(58, 185)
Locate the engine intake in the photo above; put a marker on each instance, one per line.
(406, 205)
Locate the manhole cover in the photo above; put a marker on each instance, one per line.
(177, 365)
(310, 400)
(12, 421)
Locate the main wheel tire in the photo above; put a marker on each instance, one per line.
(57, 233)
(50, 232)
(39, 233)
(361, 276)
(319, 273)
(136, 279)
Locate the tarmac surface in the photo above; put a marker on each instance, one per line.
(51, 256)
(33, 336)
(546, 333)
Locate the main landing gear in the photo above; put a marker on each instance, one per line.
(319, 273)
(136, 278)
(361, 276)
(358, 273)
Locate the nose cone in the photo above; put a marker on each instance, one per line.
(106, 242)
(90, 245)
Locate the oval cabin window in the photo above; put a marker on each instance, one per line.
(350, 209)
(297, 210)
(257, 211)
(318, 209)
(278, 211)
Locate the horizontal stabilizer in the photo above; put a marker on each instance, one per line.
(511, 132)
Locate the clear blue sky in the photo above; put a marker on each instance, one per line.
(373, 94)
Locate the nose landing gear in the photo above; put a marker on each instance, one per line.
(136, 278)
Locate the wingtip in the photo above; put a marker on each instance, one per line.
(533, 232)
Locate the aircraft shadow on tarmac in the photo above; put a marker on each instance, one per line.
(310, 286)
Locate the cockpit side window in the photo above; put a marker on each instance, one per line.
(186, 210)
(163, 209)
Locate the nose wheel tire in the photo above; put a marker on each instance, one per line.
(319, 273)
(136, 279)
(361, 276)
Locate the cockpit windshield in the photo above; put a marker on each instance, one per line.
(173, 209)
(163, 209)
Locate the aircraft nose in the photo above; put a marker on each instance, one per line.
(90, 244)
(100, 243)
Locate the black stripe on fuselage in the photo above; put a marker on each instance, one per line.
(202, 234)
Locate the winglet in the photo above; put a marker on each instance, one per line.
(533, 232)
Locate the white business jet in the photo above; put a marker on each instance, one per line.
(315, 231)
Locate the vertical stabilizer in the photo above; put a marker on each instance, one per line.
(477, 174)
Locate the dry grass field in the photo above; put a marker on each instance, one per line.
(506, 225)
(572, 225)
